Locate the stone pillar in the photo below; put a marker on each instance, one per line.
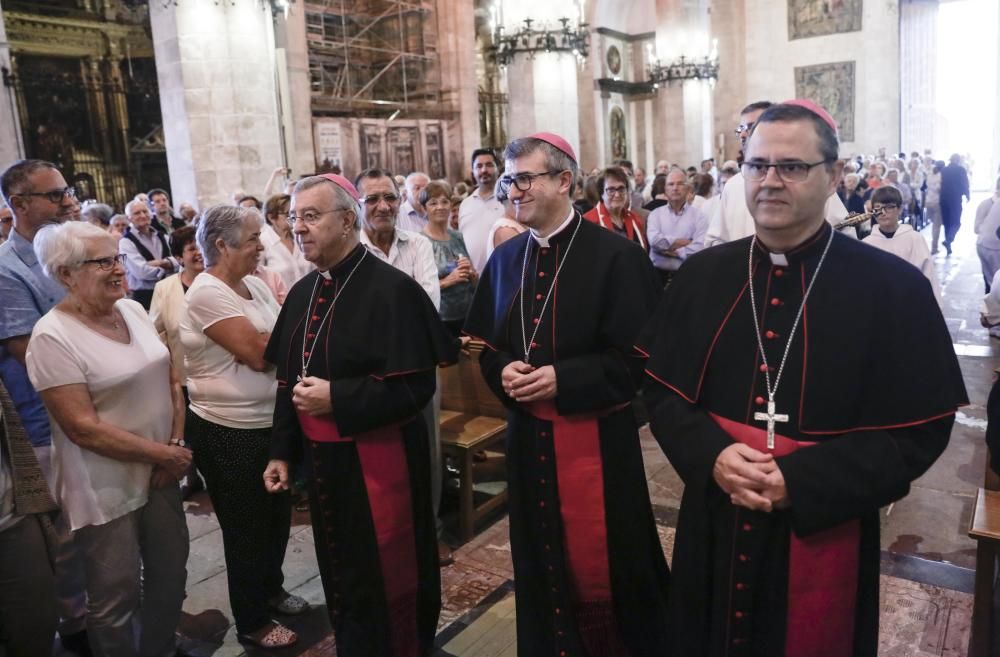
(11, 146)
(730, 92)
(684, 109)
(296, 92)
(456, 49)
(543, 91)
(215, 68)
(995, 168)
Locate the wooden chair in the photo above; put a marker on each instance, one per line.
(472, 420)
(985, 530)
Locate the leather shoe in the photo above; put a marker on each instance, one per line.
(445, 556)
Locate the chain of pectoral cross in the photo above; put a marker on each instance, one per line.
(772, 415)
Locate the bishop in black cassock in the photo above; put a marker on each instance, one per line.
(589, 573)
(369, 335)
(865, 404)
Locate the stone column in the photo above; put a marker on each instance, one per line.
(215, 68)
(11, 146)
(730, 93)
(684, 109)
(543, 91)
(456, 48)
(296, 94)
(996, 124)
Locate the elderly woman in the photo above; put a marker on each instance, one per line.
(98, 214)
(281, 254)
(456, 275)
(613, 211)
(224, 329)
(117, 425)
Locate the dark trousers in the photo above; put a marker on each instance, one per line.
(28, 615)
(254, 523)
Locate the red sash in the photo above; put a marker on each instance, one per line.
(822, 570)
(387, 480)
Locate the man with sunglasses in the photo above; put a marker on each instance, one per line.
(799, 381)
(559, 307)
(37, 194)
(731, 219)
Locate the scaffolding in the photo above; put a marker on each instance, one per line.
(373, 57)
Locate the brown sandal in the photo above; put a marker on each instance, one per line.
(278, 636)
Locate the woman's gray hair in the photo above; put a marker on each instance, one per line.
(99, 211)
(343, 199)
(66, 245)
(226, 223)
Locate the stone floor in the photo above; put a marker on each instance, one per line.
(927, 557)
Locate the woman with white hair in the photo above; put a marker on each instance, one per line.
(117, 427)
(224, 330)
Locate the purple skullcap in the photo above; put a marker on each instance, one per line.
(343, 183)
(815, 109)
(555, 140)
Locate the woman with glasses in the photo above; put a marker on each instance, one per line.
(613, 211)
(900, 239)
(456, 274)
(117, 425)
(224, 329)
(281, 254)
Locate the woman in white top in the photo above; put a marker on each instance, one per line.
(932, 202)
(281, 254)
(117, 423)
(224, 329)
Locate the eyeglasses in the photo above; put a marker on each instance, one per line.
(523, 181)
(878, 209)
(373, 199)
(794, 171)
(311, 218)
(106, 264)
(55, 196)
(612, 191)
(744, 127)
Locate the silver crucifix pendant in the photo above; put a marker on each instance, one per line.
(770, 417)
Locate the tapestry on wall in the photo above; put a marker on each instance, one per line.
(832, 86)
(812, 18)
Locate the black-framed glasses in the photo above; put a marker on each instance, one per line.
(106, 264)
(373, 199)
(523, 181)
(879, 209)
(55, 196)
(792, 171)
(612, 191)
(311, 218)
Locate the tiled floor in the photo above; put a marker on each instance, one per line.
(926, 582)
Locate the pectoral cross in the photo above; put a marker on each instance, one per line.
(770, 417)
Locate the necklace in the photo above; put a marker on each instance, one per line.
(772, 416)
(319, 329)
(525, 343)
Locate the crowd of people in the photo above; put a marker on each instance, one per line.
(296, 336)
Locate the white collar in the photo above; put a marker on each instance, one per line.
(778, 259)
(491, 194)
(544, 241)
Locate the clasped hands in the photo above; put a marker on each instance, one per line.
(751, 478)
(526, 383)
(311, 395)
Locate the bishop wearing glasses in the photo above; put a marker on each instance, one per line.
(559, 308)
(799, 381)
(356, 346)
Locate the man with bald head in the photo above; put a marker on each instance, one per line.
(147, 254)
(357, 345)
(675, 230)
(787, 442)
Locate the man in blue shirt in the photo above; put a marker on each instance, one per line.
(37, 194)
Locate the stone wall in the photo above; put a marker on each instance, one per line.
(771, 59)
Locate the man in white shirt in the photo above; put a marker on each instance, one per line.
(480, 210)
(412, 254)
(731, 219)
(412, 215)
(147, 255)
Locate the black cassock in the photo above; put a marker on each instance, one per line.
(590, 577)
(870, 386)
(370, 486)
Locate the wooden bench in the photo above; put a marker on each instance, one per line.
(985, 530)
(472, 420)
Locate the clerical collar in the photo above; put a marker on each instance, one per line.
(812, 247)
(544, 241)
(344, 264)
